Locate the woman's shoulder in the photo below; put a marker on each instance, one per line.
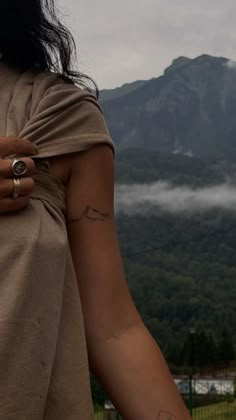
(64, 118)
(38, 82)
(48, 83)
(40, 85)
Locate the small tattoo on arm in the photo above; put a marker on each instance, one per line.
(166, 415)
(92, 215)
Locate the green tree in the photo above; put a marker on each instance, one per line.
(226, 352)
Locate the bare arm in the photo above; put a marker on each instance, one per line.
(122, 353)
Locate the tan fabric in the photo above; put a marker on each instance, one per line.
(43, 359)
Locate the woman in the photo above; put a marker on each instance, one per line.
(59, 253)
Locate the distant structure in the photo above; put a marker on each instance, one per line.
(219, 387)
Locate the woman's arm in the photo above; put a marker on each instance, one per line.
(122, 353)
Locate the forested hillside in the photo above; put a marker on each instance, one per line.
(182, 272)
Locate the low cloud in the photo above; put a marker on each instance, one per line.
(144, 198)
(231, 64)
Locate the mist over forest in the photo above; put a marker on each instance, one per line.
(145, 198)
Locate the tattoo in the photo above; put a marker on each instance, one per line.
(92, 215)
(166, 415)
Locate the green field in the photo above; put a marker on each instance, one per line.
(222, 411)
(98, 416)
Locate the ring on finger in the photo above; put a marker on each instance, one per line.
(19, 167)
(16, 188)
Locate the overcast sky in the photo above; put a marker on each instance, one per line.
(125, 40)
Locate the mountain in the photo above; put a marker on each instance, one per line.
(189, 110)
(107, 94)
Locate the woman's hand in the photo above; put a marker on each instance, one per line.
(19, 147)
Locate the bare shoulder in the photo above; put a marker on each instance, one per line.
(91, 181)
(94, 162)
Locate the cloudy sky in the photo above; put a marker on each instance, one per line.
(125, 40)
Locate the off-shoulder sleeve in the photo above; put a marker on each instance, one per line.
(65, 120)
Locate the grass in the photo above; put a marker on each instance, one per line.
(98, 416)
(221, 411)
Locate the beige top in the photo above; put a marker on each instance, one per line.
(43, 358)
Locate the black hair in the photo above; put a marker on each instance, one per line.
(32, 37)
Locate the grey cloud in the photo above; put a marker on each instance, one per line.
(231, 64)
(129, 40)
(143, 198)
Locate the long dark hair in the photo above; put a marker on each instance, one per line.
(32, 37)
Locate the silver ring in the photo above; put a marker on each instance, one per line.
(18, 167)
(16, 188)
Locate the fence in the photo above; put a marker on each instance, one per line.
(207, 398)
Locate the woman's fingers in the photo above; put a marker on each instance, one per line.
(9, 205)
(6, 164)
(14, 146)
(11, 146)
(7, 187)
